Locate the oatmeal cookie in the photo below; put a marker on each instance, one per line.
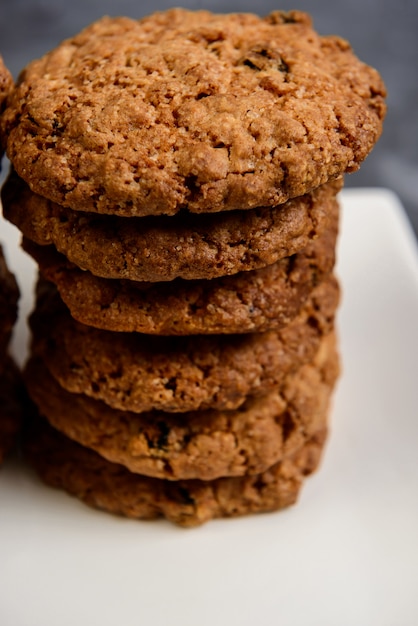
(136, 372)
(257, 300)
(6, 83)
(200, 444)
(64, 464)
(6, 86)
(191, 110)
(164, 248)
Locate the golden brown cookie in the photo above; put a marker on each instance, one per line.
(191, 110)
(163, 248)
(200, 444)
(257, 300)
(136, 372)
(64, 464)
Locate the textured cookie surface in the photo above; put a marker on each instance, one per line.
(136, 372)
(11, 406)
(163, 248)
(200, 444)
(191, 109)
(257, 300)
(64, 464)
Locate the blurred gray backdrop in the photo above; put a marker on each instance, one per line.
(383, 33)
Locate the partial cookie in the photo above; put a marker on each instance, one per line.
(164, 248)
(191, 110)
(9, 296)
(11, 406)
(64, 464)
(258, 300)
(199, 444)
(6, 83)
(6, 86)
(136, 372)
(11, 388)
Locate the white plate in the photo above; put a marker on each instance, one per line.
(346, 554)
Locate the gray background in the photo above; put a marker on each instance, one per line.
(383, 33)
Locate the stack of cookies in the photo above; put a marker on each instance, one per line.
(10, 412)
(176, 180)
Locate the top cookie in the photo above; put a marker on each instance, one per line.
(191, 110)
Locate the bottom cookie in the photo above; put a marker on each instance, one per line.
(11, 402)
(64, 464)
